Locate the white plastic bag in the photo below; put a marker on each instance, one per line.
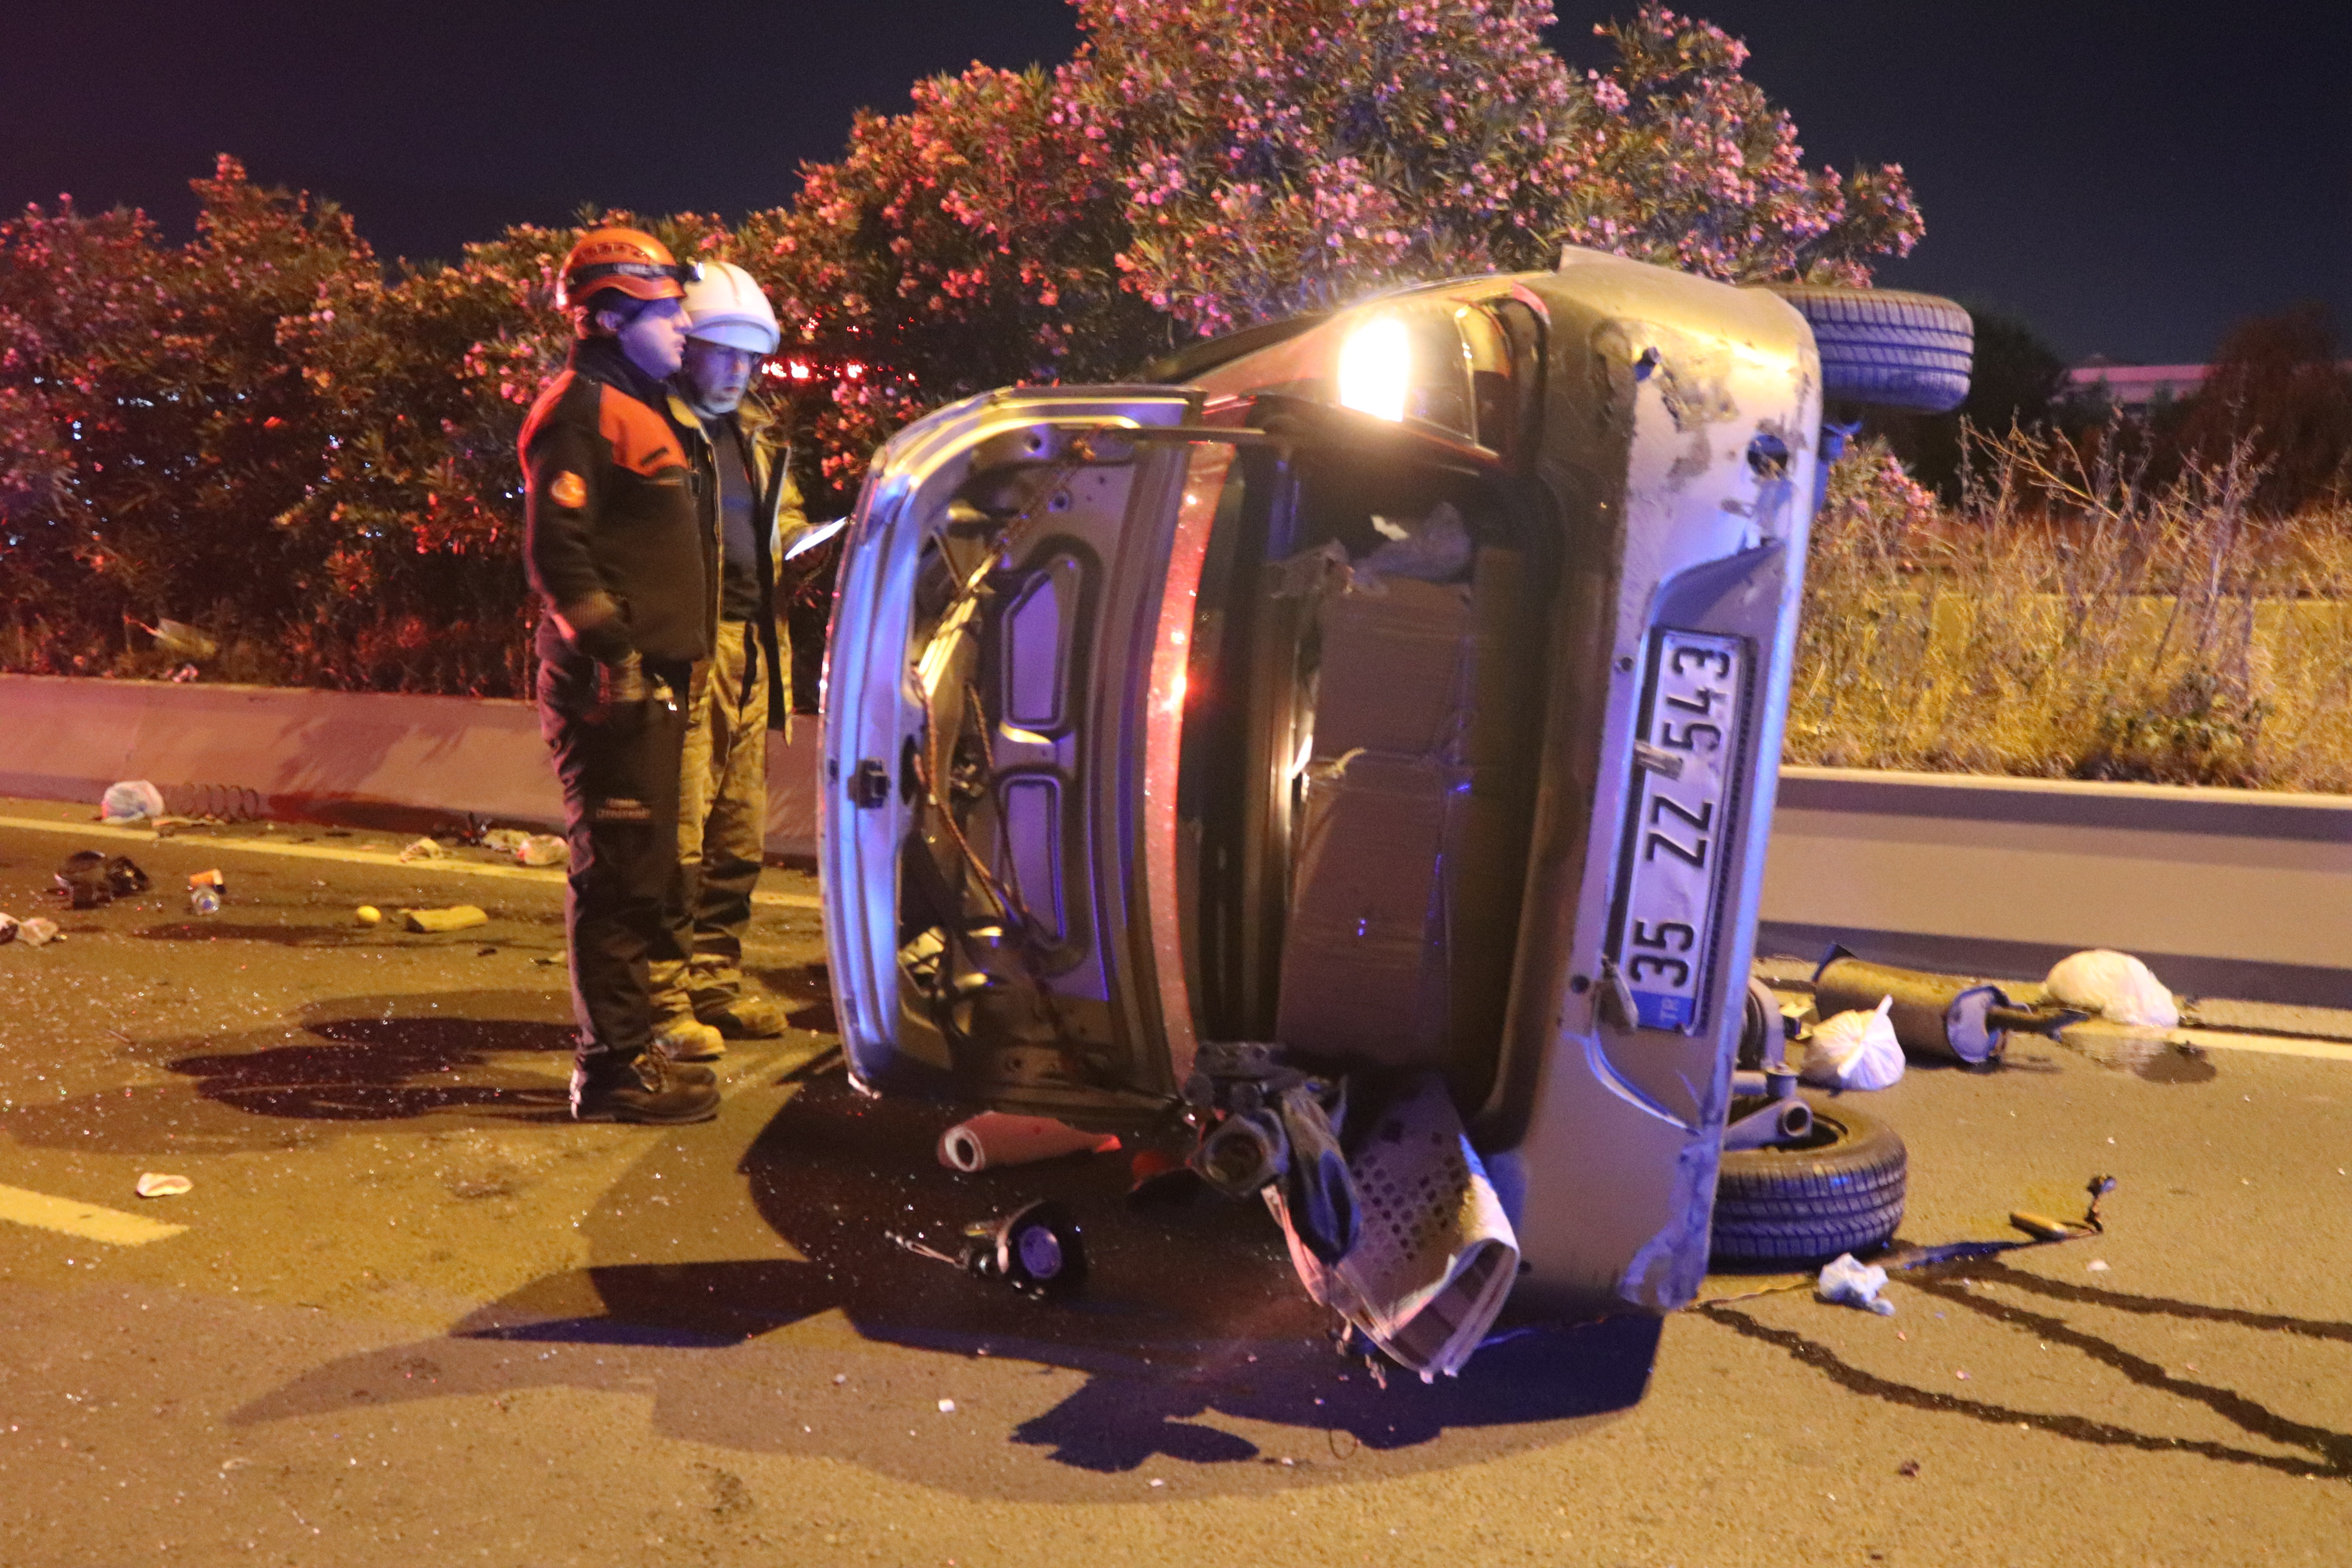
(132, 800)
(1854, 1050)
(1848, 1282)
(2116, 986)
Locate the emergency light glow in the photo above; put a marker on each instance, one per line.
(1376, 368)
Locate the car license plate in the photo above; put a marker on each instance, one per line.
(1684, 793)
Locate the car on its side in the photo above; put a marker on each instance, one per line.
(1399, 687)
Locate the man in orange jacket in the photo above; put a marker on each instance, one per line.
(612, 548)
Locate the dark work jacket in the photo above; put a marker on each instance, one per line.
(610, 517)
(777, 518)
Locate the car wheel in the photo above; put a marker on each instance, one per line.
(1887, 347)
(1839, 1190)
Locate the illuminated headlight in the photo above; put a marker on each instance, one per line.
(1376, 367)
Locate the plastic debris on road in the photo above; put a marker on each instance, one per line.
(1854, 1050)
(505, 840)
(994, 1139)
(1847, 1282)
(155, 1184)
(132, 800)
(368, 915)
(2116, 986)
(457, 917)
(1435, 1256)
(38, 932)
(89, 877)
(424, 849)
(543, 849)
(207, 891)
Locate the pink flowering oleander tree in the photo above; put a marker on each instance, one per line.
(1202, 164)
(967, 243)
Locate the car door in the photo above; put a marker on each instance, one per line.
(1004, 690)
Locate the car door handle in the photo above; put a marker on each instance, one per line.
(870, 786)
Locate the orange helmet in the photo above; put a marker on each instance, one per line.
(626, 260)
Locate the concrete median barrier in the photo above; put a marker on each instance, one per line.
(339, 756)
(2225, 892)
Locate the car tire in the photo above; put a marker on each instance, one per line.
(1840, 1191)
(1887, 347)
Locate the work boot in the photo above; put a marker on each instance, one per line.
(686, 1039)
(741, 1014)
(607, 1087)
(683, 1072)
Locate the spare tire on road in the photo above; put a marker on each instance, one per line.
(1840, 1190)
(1884, 346)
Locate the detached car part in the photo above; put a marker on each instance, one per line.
(1404, 686)
(1949, 1017)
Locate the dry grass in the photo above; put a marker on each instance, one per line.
(2069, 621)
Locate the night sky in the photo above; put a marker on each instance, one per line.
(2130, 179)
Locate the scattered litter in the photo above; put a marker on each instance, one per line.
(2096, 1265)
(38, 932)
(484, 951)
(1907, 1467)
(8, 934)
(182, 640)
(2116, 986)
(505, 840)
(155, 1184)
(839, 1378)
(2041, 1226)
(1854, 1050)
(206, 890)
(543, 849)
(368, 915)
(947, 1407)
(1038, 1250)
(88, 877)
(132, 800)
(457, 917)
(993, 1139)
(424, 849)
(1157, 1482)
(1958, 1373)
(1848, 1282)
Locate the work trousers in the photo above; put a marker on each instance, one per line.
(722, 820)
(618, 764)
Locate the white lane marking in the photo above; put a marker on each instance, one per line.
(87, 1221)
(2273, 1045)
(544, 876)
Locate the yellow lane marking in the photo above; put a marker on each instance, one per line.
(2275, 1045)
(544, 876)
(87, 1221)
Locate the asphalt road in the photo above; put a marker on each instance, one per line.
(412, 1313)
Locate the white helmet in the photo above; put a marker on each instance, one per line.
(725, 306)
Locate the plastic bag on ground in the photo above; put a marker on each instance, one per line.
(1854, 1050)
(2116, 986)
(1846, 1281)
(39, 932)
(1436, 1255)
(132, 800)
(543, 849)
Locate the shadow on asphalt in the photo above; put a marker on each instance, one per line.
(1188, 1313)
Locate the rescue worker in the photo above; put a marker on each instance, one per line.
(614, 554)
(749, 510)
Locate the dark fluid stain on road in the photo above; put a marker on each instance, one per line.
(354, 1059)
(2334, 1449)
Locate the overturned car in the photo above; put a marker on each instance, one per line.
(1360, 741)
